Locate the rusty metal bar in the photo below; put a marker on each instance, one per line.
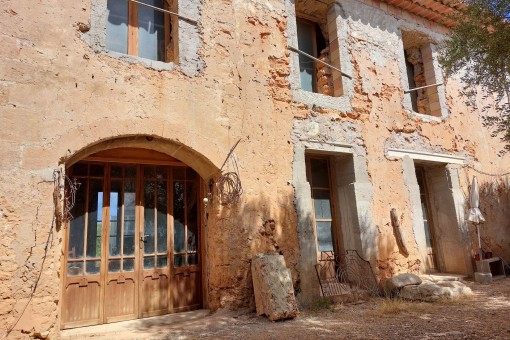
(293, 49)
(193, 21)
(422, 87)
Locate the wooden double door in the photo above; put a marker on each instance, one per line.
(132, 246)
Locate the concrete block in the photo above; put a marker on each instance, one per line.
(493, 266)
(485, 278)
(272, 285)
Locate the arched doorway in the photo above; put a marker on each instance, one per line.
(133, 246)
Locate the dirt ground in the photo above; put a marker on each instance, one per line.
(485, 315)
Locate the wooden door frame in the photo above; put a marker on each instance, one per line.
(65, 280)
(138, 266)
(430, 220)
(338, 245)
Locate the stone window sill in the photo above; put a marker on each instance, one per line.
(153, 64)
(425, 118)
(310, 99)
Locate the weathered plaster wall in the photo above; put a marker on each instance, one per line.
(495, 207)
(381, 114)
(61, 93)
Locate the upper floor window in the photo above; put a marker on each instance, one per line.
(311, 41)
(423, 77)
(140, 30)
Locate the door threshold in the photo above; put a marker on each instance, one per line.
(134, 329)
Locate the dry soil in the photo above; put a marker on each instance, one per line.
(483, 316)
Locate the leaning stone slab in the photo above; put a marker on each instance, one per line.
(272, 284)
(433, 291)
(401, 280)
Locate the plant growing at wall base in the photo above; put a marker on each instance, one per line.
(478, 49)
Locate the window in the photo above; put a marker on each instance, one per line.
(421, 74)
(139, 30)
(319, 178)
(311, 41)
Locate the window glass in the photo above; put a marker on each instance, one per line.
(116, 171)
(162, 217)
(148, 262)
(129, 217)
(179, 217)
(93, 267)
(321, 196)
(96, 170)
(192, 259)
(77, 223)
(148, 247)
(115, 218)
(75, 268)
(322, 204)
(324, 236)
(179, 260)
(128, 265)
(79, 169)
(161, 261)
(306, 43)
(151, 31)
(320, 173)
(95, 219)
(117, 26)
(412, 84)
(114, 266)
(191, 209)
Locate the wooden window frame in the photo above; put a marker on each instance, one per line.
(421, 174)
(335, 230)
(171, 30)
(312, 25)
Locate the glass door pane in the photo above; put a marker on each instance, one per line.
(128, 246)
(95, 226)
(185, 211)
(155, 234)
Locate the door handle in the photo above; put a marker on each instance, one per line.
(144, 238)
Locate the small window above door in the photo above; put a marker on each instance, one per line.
(140, 30)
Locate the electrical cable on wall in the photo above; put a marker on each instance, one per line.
(60, 183)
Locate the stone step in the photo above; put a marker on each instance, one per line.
(443, 277)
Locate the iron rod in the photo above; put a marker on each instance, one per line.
(318, 60)
(422, 87)
(166, 11)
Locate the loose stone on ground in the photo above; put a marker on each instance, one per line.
(272, 285)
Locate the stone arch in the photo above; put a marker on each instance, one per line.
(201, 164)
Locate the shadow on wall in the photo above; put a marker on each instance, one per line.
(495, 207)
(391, 260)
(236, 233)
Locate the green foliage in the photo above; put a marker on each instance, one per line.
(478, 49)
(322, 304)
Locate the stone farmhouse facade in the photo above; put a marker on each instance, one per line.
(121, 124)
